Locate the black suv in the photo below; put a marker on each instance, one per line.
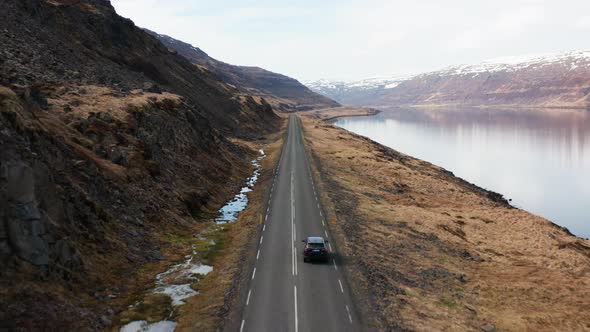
(315, 248)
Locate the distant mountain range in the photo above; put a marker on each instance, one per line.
(282, 92)
(354, 92)
(539, 81)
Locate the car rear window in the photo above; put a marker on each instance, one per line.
(316, 245)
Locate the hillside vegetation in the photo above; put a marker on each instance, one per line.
(110, 146)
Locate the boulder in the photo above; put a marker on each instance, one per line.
(488, 328)
(21, 217)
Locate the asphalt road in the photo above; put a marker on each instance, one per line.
(286, 294)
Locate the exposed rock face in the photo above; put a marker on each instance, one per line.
(282, 92)
(548, 81)
(108, 143)
(23, 229)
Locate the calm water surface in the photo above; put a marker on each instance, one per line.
(538, 158)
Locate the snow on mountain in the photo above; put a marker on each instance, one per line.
(555, 80)
(345, 91)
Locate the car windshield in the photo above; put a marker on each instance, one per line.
(315, 245)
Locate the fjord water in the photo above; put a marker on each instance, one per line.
(538, 158)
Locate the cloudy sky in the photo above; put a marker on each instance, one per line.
(355, 39)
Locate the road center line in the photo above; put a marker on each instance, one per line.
(242, 326)
(341, 288)
(263, 227)
(293, 236)
(262, 237)
(258, 254)
(335, 267)
(248, 299)
(326, 232)
(253, 273)
(296, 318)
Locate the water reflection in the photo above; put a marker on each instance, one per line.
(539, 158)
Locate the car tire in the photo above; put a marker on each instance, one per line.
(305, 260)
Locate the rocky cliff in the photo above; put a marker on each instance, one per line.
(283, 92)
(108, 141)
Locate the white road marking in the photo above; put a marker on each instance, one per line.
(242, 326)
(258, 254)
(262, 237)
(295, 259)
(292, 261)
(293, 233)
(326, 232)
(321, 214)
(253, 273)
(341, 288)
(263, 227)
(248, 299)
(266, 218)
(296, 318)
(323, 224)
(349, 316)
(335, 267)
(330, 246)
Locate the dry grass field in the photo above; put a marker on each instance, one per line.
(428, 251)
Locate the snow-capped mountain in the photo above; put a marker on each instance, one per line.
(353, 92)
(554, 80)
(571, 60)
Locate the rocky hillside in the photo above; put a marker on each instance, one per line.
(109, 145)
(283, 92)
(547, 81)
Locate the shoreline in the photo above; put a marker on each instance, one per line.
(331, 119)
(330, 114)
(498, 107)
(433, 241)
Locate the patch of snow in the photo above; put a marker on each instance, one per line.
(178, 293)
(230, 211)
(201, 269)
(143, 326)
(176, 281)
(514, 63)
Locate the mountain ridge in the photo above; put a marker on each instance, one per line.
(556, 81)
(282, 92)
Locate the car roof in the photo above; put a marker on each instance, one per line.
(315, 239)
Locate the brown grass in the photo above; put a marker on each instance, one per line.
(82, 100)
(437, 252)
